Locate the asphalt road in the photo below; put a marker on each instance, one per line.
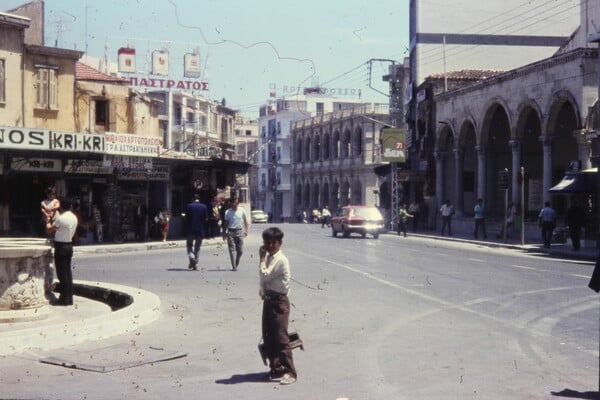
(393, 318)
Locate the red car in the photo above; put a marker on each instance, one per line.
(357, 219)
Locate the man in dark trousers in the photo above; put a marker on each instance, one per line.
(196, 219)
(575, 221)
(63, 228)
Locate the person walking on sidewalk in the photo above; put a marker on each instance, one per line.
(479, 211)
(447, 211)
(235, 229)
(325, 217)
(275, 277)
(196, 218)
(403, 216)
(63, 228)
(575, 221)
(547, 220)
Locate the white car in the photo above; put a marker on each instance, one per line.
(259, 217)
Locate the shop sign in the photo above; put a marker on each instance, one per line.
(87, 167)
(132, 145)
(157, 173)
(23, 138)
(393, 145)
(44, 139)
(137, 163)
(68, 141)
(36, 164)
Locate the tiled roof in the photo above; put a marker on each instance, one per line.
(467, 74)
(84, 72)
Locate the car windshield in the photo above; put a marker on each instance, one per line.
(367, 213)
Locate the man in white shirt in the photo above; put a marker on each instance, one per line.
(64, 228)
(447, 210)
(235, 229)
(275, 276)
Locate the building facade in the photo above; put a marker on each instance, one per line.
(97, 140)
(334, 155)
(275, 194)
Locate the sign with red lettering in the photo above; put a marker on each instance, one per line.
(126, 59)
(393, 145)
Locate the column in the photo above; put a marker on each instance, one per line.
(547, 180)
(584, 149)
(515, 147)
(459, 163)
(481, 181)
(439, 177)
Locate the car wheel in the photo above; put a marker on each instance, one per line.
(364, 234)
(376, 236)
(346, 233)
(333, 232)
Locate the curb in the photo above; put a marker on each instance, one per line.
(73, 330)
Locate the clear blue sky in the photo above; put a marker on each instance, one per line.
(246, 46)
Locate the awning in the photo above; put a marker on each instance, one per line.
(577, 182)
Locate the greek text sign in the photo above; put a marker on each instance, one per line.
(157, 173)
(132, 145)
(86, 167)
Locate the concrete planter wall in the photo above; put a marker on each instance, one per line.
(24, 266)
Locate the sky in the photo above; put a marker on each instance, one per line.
(248, 49)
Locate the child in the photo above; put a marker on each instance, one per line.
(275, 276)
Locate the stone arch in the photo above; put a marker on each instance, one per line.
(356, 192)
(357, 142)
(345, 193)
(495, 138)
(298, 197)
(299, 149)
(335, 195)
(306, 196)
(445, 145)
(466, 149)
(316, 192)
(316, 156)
(326, 145)
(325, 194)
(335, 149)
(528, 132)
(563, 119)
(345, 143)
(307, 149)
(559, 99)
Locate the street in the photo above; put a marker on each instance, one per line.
(393, 318)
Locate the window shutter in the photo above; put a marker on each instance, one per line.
(52, 89)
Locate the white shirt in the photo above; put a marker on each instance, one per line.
(275, 274)
(65, 224)
(236, 219)
(446, 210)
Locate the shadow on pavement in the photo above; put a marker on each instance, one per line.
(574, 394)
(257, 377)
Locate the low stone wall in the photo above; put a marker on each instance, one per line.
(24, 268)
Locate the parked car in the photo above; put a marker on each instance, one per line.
(357, 219)
(259, 217)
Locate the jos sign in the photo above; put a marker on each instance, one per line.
(393, 145)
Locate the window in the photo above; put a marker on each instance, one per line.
(320, 108)
(46, 82)
(2, 82)
(279, 178)
(278, 127)
(279, 154)
(248, 132)
(101, 112)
